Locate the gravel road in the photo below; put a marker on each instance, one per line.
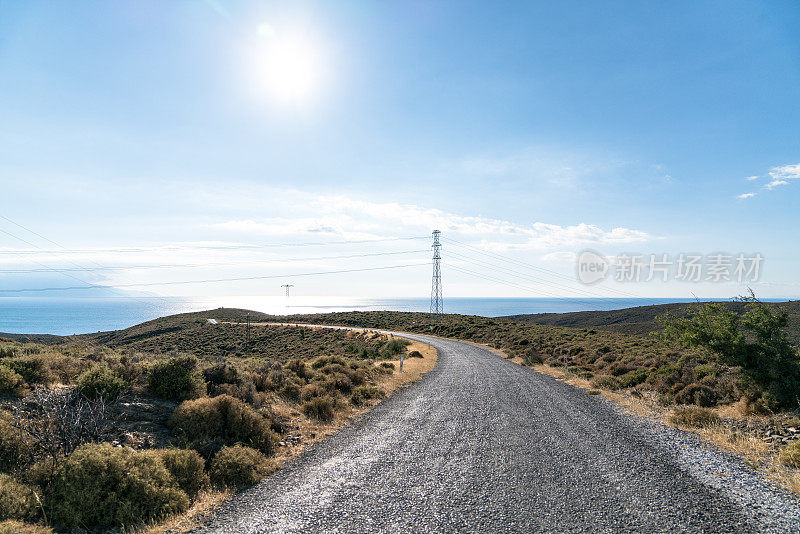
(480, 444)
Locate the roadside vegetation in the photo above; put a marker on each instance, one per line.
(126, 429)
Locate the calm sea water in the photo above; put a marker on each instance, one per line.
(66, 316)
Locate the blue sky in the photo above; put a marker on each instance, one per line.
(532, 130)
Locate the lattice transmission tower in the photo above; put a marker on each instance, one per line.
(437, 304)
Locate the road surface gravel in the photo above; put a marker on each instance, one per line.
(481, 444)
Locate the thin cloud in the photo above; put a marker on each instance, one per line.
(751, 178)
(746, 195)
(782, 175)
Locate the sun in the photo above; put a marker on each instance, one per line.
(290, 67)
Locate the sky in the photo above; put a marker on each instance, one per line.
(147, 145)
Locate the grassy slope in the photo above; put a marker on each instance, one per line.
(638, 320)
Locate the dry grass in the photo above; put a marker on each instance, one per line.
(207, 501)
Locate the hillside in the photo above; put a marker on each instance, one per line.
(641, 319)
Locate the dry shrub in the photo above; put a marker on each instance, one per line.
(605, 382)
(207, 424)
(17, 501)
(187, 468)
(364, 393)
(415, 354)
(320, 408)
(694, 416)
(697, 394)
(238, 467)
(790, 454)
(106, 486)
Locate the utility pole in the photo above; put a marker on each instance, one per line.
(248, 328)
(437, 304)
(287, 286)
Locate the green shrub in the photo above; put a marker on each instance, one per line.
(207, 424)
(100, 381)
(415, 354)
(387, 365)
(364, 393)
(790, 454)
(187, 468)
(320, 408)
(15, 451)
(394, 347)
(17, 501)
(105, 486)
(177, 379)
(12, 383)
(238, 467)
(605, 382)
(633, 378)
(694, 416)
(34, 370)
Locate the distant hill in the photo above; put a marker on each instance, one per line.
(641, 319)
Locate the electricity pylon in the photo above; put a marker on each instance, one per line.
(437, 304)
(287, 286)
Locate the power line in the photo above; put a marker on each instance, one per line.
(238, 279)
(527, 277)
(204, 247)
(208, 264)
(533, 267)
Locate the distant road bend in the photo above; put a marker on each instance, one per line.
(480, 444)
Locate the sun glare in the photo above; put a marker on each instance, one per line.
(289, 66)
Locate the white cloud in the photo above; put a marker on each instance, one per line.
(781, 175)
(350, 218)
(746, 195)
(751, 178)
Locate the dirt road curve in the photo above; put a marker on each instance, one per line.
(482, 445)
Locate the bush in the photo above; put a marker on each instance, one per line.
(100, 381)
(177, 379)
(208, 424)
(32, 370)
(532, 357)
(238, 467)
(12, 383)
(605, 382)
(790, 454)
(15, 451)
(694, 416)
(320, 408)
(415, 354)
(394, 347)
(364, 393)
(186, 467)
(634, 378)
(102, 485)
(17, 501)
(697, 394)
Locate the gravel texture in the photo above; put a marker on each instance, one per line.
(480, 444)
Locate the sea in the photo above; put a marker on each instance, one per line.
(69, 316)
